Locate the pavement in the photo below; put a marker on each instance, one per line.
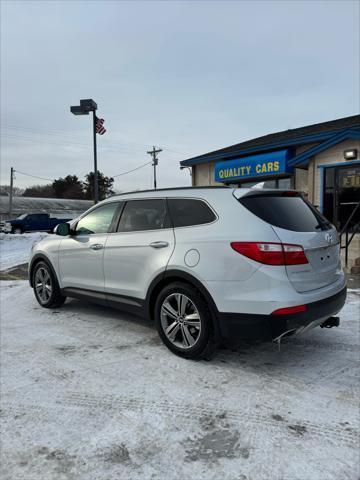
(90, 393)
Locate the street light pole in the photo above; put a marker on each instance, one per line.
(86, 106)
(11, 190)
(96, 182)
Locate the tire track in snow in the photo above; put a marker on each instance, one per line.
(186, 410)
(107, 402)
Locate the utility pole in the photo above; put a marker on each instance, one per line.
(155, 163)
(11, 190)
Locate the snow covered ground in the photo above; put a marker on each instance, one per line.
(91, 393)
(15, 249)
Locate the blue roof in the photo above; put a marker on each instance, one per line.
(303, 158)
(323, 133)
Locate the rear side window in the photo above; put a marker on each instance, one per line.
(288, 212)
(144, 215)
(185, 212)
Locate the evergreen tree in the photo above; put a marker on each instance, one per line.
(105, 185)
(68, 187)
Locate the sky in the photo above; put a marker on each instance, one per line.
(186, 76)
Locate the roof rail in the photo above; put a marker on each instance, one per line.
(205, 187)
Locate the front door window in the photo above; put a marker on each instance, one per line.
(98, 220)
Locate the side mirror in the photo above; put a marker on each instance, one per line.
(62, 229)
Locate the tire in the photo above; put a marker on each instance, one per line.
(46, 287)
(177, 305)
(17, 230)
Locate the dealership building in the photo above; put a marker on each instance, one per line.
(321, 160)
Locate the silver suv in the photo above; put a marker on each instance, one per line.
(205, 264)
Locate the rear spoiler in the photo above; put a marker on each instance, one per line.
(239, 193)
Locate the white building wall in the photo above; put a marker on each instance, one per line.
(203, 175)
(302, 180)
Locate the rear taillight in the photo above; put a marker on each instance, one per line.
(271, 253)
(290, 310)
(294, 254)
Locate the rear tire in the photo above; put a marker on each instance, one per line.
(46, 287)
(184, 321)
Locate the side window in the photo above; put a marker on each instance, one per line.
(97, 221)
(40, 217)
(185, 212)
(144, 215)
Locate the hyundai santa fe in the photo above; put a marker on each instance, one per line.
(206, 264)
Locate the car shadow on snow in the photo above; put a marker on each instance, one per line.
(314, 354)
(94, 311)
(315, 357)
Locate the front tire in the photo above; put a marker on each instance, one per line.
(184, 321)
(46, 288)
(17, 230)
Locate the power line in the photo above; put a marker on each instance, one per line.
(114, 176)
(33, 176)
(118, 149)
(66, 133)
(133, 170)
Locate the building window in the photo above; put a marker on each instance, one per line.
(277, 183)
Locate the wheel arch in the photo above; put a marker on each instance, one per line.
(39, 257)
(17, 226)
(171, 276)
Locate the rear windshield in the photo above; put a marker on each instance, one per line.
(288, 212)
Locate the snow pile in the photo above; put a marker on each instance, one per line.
(15, 249)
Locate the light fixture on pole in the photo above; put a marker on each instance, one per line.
(86, 106)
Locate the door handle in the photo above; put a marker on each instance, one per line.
(159, 244)
(96, 246)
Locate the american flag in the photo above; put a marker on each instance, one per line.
(100, 129)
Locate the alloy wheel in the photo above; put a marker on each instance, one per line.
(43, 285)
(180, 320)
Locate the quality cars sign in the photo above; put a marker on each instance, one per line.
(264, 165)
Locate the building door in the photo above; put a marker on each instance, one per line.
(341, 194)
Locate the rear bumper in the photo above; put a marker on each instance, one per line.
(235, 326)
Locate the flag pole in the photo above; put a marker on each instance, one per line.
(96, 185)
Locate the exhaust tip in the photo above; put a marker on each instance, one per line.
(331, 322)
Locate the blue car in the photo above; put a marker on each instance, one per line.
(32, 222)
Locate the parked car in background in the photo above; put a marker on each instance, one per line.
(32, 222)
(205, 264)
(5, 227)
